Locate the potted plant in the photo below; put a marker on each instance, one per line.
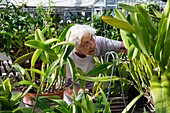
(148, 44)
(53, 53)
(104, 77)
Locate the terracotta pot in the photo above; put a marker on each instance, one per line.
(27, 99)
(28, 65)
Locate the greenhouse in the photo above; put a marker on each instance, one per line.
(84, 56)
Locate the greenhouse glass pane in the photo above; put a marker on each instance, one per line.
(67, 3)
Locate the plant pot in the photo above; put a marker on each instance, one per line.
(27, 99)
(28, 65)
(118, 104)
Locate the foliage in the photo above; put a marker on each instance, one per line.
(147, 44)
(104, 29)
(53, 53)
(9, 102)
(15, 26)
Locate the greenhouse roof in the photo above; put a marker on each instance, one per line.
(62, 3)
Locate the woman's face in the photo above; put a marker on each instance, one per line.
(87, 46)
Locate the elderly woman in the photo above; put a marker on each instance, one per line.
(88, 45)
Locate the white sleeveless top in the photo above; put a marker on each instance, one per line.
(103, 45)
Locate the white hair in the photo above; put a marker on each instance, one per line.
(77, 31)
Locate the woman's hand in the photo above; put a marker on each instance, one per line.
(81, 90)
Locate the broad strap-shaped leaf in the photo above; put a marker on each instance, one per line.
(129, 106)
(135, 53)
(37, 37)
(7, 84)
(165, 84)
(120, 15)
(166, 52)
(146, 18)
(127, 7)
(90, 104)
(35, 56)
(139, 29)
(130, 51)
(51, 40)
(81, 105)
(103, 79)
(62, 38)
(63, 34)
(52, 68)
(62, 43)
(25, 82)
(118, 23)
(132, 39)
(156, 12)
(5, 103)
(15, 99)
(65, 53)
(160, 40)
(126, 41)
(41, 35)
(23, 58)
(156, 90)
(101, 68)
(166, 10)
(40, 45)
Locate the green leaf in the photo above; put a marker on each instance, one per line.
(81, 106)
(25, 82)
(19, 68)
(37, 37)
(120, 15)
(62, 43)
(129, 106)
(126, 41)
(166, 52)
(128, 7)
(41, 35)
(16, 97)
(130, 51)
(156, 12)
(5, 103)
(83, 103)
(40, 45)
(52, 68)
(147, 20)
(37, 71)
(132, 39)
(165, 93)
(156, 93)
(90, 104)
(23, 58)
(103, 79)
(160, 40)
(118, 23)
(8, 86)
(59, 102)
(101, 68)
(135, 53)
(166, 10)
(139, 29)
(35, 56)
(51, 40)
(63, 34)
